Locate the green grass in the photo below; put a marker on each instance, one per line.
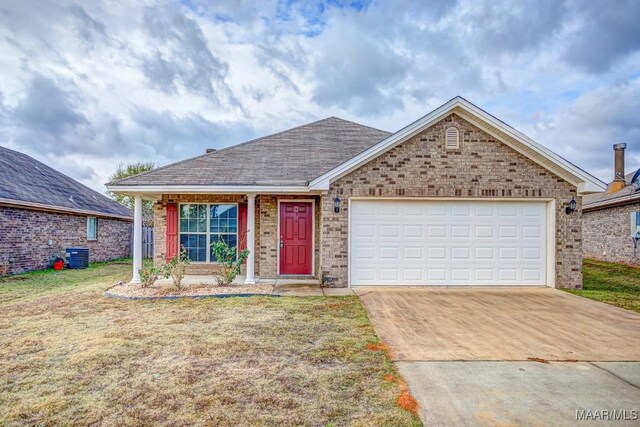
(615, 284)
(70, 356)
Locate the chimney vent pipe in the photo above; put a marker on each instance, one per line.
(618, 178)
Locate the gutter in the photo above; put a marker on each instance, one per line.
(210, 189)
(59, 209)
(629, 200)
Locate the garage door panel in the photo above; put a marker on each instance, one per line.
(448, 243)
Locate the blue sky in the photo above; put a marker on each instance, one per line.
(87, 85)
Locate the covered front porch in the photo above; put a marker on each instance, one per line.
(280, 230)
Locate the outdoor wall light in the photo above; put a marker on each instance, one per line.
(572, 206)
(336, 204)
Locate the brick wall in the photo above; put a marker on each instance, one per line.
(481, 168)
(24, 236)
(268, 248)
(606, 234)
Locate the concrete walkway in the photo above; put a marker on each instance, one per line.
(523, 393)
(479, 356)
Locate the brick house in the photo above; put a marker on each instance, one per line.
(611, 220)
(455, 198)
(43, 211)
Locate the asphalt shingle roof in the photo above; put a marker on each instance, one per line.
(629, 194)
(292, 157)
(24, 179)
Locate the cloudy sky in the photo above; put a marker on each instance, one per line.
(85, 85)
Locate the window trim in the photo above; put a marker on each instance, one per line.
(94, 238)
(208, 232)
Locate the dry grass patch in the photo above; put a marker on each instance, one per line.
(70, 356)
(159, 290)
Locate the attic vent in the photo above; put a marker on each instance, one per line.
(452, 138)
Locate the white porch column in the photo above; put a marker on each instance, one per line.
(251, 238)
(137, 239)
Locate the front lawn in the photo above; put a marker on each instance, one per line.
(615, 284)
(70, 356)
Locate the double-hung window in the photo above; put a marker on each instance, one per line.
(203, 224)
(92, 228)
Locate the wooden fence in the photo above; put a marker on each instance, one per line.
(147, 242)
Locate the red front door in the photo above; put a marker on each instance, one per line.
(296, 238)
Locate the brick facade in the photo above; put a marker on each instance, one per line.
(266, 237)
(24, 236)
(606, 234)
(481, 168)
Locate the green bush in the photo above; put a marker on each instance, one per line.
(229, 261)
(148, 276)
(176, 267)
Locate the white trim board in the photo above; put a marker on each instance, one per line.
(213, 189)
(585, 182)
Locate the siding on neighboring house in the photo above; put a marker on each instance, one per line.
(481, 168)
(607, 234)
(24, 236)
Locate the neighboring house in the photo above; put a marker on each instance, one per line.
(455, 198)
(42, 212)
(611, 220)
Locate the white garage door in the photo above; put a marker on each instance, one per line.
(447, 243)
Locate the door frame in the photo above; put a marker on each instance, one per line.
(313, 236)
(550, 247)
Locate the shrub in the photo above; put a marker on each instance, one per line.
(176, 267)
(229, 260)
(148, 276)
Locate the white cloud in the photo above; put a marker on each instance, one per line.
(86, 85)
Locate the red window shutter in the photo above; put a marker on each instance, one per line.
(242, 226)
(172, 230)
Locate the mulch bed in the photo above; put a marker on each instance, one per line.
(136, 291)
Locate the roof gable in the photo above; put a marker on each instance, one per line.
(585, 182)
(27, 182)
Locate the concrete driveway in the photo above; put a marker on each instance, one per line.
(511, 356)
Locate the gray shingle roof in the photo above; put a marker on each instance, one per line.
(24, 179)
(292, 157)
